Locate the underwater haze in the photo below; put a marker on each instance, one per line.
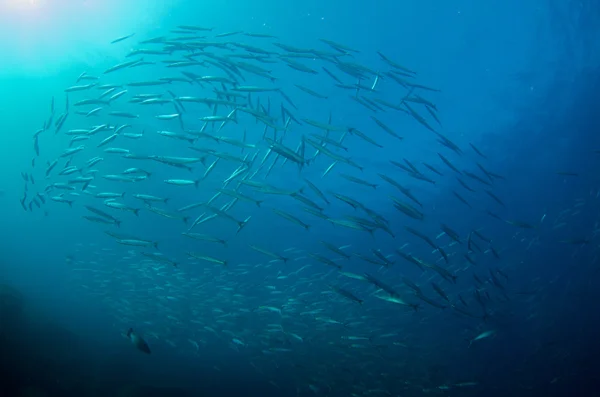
(395, 198)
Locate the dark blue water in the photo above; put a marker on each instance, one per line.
(508, 309)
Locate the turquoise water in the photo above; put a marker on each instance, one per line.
(356, 298)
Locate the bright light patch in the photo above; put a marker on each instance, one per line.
(20, 5)
(41, 37)
(22, 12)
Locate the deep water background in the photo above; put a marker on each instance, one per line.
(520, 80)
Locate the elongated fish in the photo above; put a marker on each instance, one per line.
(138, 341)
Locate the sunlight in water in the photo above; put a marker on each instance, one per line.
(23, 14)
(21, 5)
(39, 35)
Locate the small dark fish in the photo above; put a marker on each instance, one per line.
(430, 301)
(443, 253)
(449, 164)
(494, 215)
(478, 151)
(462, 199)
(346, 294)
(500, 272)
(494, 252)
(492, 195)
(440, 291)
(122, 38)
(469, 259)
(495, 280)
(138, 341)
(481, 236)
(432, 168)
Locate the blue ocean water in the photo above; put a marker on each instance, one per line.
(507, 306)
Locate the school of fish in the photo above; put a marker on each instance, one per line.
(220, 150)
